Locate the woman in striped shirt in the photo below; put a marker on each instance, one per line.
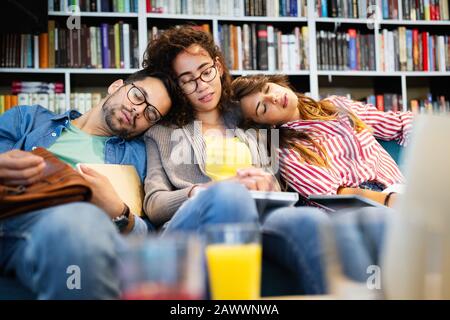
(327, 146)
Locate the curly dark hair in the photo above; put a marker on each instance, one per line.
(161, 53)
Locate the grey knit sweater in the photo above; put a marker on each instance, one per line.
(176, 161)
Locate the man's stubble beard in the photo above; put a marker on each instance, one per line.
(113, 122)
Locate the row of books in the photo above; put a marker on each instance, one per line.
(7, 101)
(55, 102)
(439, 106)
(425, 9)
(107, 46)
(386, 9)
(345, 8)
(124, 6)
(263, 47)
(238, 8)
(386, 101)
(349, 50)
(36, 87)
(417, 51)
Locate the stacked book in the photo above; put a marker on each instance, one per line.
(386, 101)
(361, 9)
(106, 46)
(124, 6)
(439, 106)
(7, 101)
(237, 8)
(264, 47)
(349, 50)
(155, 32)
(83, 102)
(383, 102)
(49, 95)
(425, 9)
(410, 50)
(18, 50)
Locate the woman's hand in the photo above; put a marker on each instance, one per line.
(252, 178)
(103, 195)
(257, 179)
(19, 167)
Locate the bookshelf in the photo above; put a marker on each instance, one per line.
(315, 79)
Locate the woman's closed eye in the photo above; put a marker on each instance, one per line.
(264, 106)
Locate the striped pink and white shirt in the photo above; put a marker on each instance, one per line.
(354, 157)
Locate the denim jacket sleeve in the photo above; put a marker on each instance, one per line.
(10, 128)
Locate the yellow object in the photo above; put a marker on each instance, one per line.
(234, 271)
(125, 181)
(224, 156)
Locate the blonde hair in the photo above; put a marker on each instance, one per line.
(309, 109)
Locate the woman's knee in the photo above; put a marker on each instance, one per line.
(234, 201)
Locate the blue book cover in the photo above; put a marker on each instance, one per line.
(352, 49)
(283, 12)
(324, 8)
(105, 6)
(430, 53)
(409, 50)
(385, 9)
(293, 8)
(105, 45)
(30, 51)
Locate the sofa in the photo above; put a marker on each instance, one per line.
(276, 281)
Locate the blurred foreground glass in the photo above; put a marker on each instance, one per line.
(234, 255)
(163, 268)
(416, 259)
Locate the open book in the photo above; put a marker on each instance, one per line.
(125, 180)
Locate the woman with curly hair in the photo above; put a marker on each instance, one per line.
(327, 146)
(199, 147)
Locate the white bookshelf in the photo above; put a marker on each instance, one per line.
(145, 20)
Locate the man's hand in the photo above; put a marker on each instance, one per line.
(103, 195)
(257, 179)
(19, 167)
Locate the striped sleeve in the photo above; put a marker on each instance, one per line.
(305, 178)
(386, 125)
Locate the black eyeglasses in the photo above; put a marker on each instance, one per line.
(207, 75)
(137, 97)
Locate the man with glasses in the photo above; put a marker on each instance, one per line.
(40, 247)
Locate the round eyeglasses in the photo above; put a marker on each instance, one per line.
(137, 98)
(207, 75)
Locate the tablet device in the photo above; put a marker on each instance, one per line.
(273, 199)
(338, 202)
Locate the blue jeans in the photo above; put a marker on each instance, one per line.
(45, 249)
(358, 237)
(290, 235)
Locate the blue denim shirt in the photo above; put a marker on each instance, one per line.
(28, 127)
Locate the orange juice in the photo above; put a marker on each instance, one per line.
(234, 270)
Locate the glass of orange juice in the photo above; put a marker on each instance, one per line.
(234, 257)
